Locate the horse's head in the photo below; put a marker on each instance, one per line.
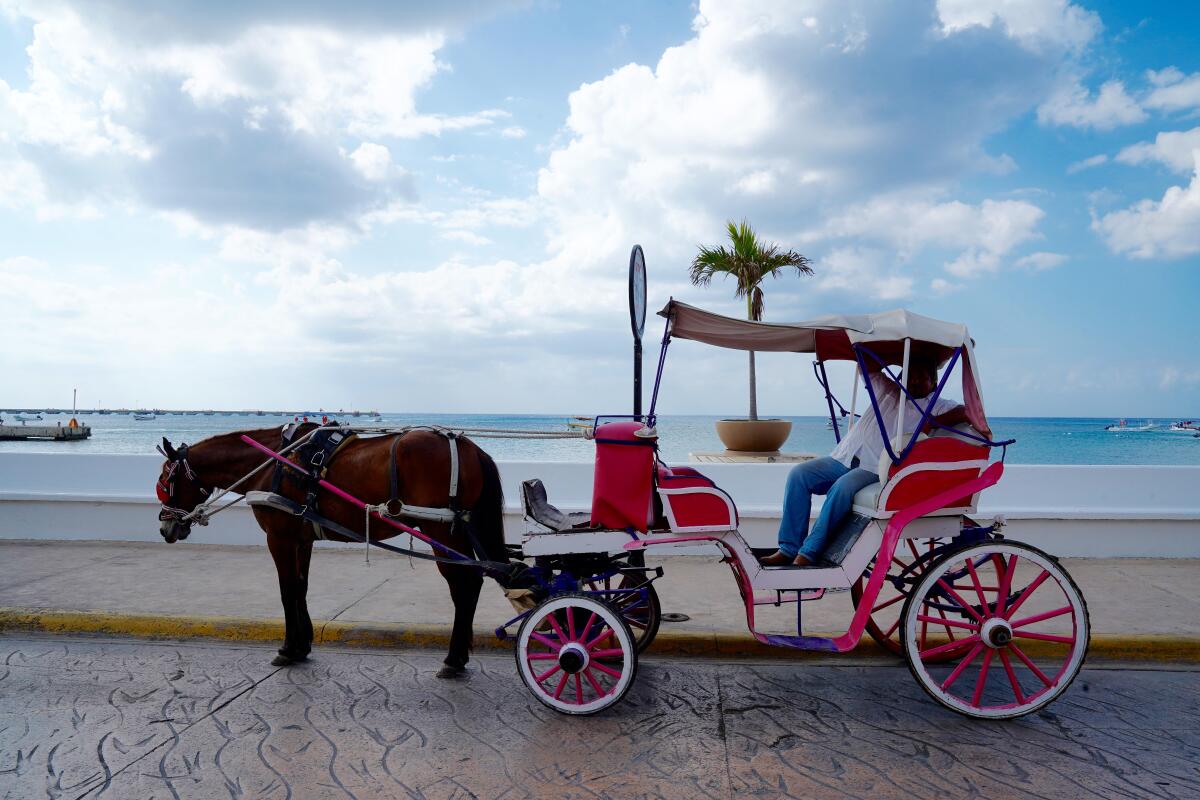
(179, 491)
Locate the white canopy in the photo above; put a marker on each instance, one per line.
(833, 337)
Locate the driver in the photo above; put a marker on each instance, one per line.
(839, 477)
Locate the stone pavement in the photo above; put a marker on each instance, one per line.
(1154, 599)
(119, 719)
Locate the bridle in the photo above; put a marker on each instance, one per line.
(165, 488)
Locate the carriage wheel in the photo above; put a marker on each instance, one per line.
(1022, 624)
(576, 654)
(643, 613)
(909, 562)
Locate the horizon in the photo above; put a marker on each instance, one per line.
(379, 201)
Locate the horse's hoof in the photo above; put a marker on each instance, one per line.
(448, 672)
(283, 660)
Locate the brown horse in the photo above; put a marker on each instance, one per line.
(361, 467)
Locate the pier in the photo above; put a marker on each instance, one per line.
(59, 432)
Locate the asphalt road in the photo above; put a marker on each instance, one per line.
(115, 719)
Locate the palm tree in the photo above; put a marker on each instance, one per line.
(749, 261)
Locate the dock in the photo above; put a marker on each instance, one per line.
(59, 432)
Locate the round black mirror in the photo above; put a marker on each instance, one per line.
(637, 291)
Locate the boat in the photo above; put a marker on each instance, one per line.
(1123, 426)
(27, 417)
(1184, 426)
(143, 417)
(581, 423)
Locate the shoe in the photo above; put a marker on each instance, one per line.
(776, 559)
(802, 561)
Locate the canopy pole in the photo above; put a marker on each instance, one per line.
(900, 403)
(853, 400)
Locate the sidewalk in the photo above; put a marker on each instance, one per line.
(1140, 608)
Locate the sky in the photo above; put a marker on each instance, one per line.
(430, 207)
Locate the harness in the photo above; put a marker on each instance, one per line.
(165, 487)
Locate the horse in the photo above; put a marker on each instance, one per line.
(362, 467)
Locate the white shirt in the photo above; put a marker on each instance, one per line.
(864, 440)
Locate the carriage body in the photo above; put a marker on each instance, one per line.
(911, 538)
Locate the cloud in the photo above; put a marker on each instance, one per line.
(1037, 262)
(223, 113)
(863, 272)
(1176, 149)
(373, 161)
(1167, 228)
(1072, 105)
(1087, 163)
(1037, 24)
(983, 234)
(513, 132)
(1173, 91)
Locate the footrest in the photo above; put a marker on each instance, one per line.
(272, 500)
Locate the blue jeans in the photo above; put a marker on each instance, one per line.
(826, 476)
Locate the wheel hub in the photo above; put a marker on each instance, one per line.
(996, 633)
(573, 658)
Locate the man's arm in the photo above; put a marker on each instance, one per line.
(955, 416)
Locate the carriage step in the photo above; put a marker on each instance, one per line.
(272, 500)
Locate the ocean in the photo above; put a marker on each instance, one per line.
(1040, 440)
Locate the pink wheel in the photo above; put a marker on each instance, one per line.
(1021, 628)
(576, 654)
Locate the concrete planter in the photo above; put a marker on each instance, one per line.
(753, 436)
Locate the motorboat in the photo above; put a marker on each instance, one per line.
(27, 417)
(1123, 426)
(1184, 426)
(143, 417)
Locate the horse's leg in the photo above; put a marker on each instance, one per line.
(284, 552)
(303, 559)
(465, 584)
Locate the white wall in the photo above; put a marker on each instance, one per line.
(1070, 510)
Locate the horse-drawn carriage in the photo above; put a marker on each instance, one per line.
(989, 628)
(974, 604)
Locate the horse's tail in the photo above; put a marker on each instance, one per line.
(488, 514)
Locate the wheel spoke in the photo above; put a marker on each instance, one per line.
(600, 637)
(587, 627)
(958, 598)
(578, 689)
(1058, 612)
(949, 623)
(1032, 667)
(888, 633)
(612, 652)
(978, 588)
(887, 603)
(606, 670)
(982, 681)
(1026, 592)
(587, 673)
(945, 648)
(1012, 678)
(561, 685)
(946, 624)
(1045, 637)
(953, 676)
(554, 624)
(540, 656)
(546, 640)
(571, 623)
(547, 673)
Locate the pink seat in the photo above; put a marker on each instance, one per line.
(931, 467)
(693, 503)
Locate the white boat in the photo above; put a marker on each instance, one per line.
(1184, 426)
(27, 417)
(1123, 426)
(143, 417)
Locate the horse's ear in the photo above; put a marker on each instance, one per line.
(168, 449)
